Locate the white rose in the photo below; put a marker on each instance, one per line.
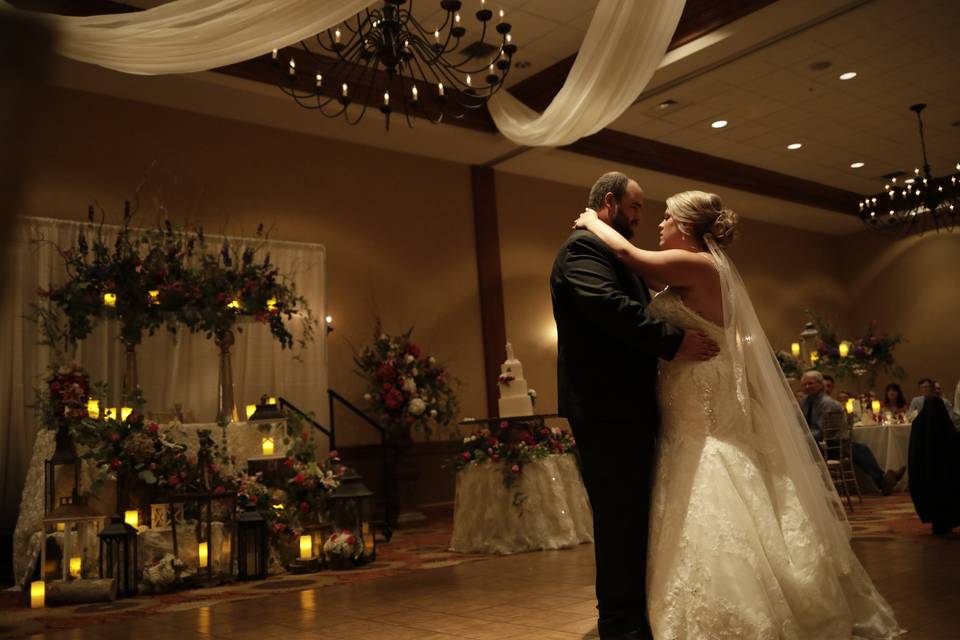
(532, 393)
(367, 397)
(409, 358)
(410, 386)
(416, 407)
(433, 413)
(432, 360)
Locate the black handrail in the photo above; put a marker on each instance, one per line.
(330, 433)
(387, 473)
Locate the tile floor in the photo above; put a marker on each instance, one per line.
(542, 596)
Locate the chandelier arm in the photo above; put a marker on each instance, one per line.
(370, 91)
(404, 101)
(923, 146)
(441, 102)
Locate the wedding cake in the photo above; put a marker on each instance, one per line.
(514, 397)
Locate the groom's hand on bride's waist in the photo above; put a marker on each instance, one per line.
(696, 345)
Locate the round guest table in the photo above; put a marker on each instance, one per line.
(890, 444)
(545, 507)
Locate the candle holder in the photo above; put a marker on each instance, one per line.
(308, 561)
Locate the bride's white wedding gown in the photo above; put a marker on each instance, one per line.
(732, 551)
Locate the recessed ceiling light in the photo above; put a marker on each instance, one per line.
(794, 145)
(849, 75)
(718, 124)
(666, 104)
(856, 165)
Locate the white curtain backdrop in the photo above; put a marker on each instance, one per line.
(172, 370)
(624, 45)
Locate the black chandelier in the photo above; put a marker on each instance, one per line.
(918, 203)
(386, 58)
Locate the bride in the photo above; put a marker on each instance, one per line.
(748, 538)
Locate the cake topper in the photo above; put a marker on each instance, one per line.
(509, 351)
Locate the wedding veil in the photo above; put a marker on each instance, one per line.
(778, 425)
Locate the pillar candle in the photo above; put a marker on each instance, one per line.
(251, 409)
(795, 349)
(267, 446)
(38, 593)
(306, 546)
(76, 563)
(132, 518)
(202, 555)
(93, 408)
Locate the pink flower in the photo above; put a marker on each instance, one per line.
(299, 478)
(153, 427)
(515, 468)
(252, 499)
(288, 462)
(466, 455)
(335, 455)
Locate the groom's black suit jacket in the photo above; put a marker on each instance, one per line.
(608, 347)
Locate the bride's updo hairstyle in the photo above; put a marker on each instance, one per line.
(697, 213)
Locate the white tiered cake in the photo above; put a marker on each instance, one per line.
(514, 398)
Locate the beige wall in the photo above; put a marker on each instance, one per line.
(376, 212)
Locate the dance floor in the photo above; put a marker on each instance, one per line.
(544, 596)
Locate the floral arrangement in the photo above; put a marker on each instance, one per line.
(310, 482)
(63, 399)
(513, 446)
(869, 355)
(788, 364)
(161, 574)
(406, 390)
(342, 543)
(166, 276)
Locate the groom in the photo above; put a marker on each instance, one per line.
(606, 378)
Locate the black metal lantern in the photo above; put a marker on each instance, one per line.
(252, 550)
(118, 555)
(350, 508)
(64, 461)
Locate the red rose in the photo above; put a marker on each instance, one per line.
(409, 421)
(342, 470)
(495, 457)
(515, 468)
(154, 427)
(173, 480)
(335, 455)
(279, 527)
(504, 424)
(304, 507)
(115, 437)
(305, 435)
(115, 464)
(413, 350)
(252, 499)
(466, 455)
(288, 462)
(351, 540)
(55, 387)
(219, 489)
(299, 478)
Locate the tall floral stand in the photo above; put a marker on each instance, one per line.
(402, 475)
(226, 407)
(130, 379)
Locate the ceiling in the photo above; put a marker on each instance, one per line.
(754, 72)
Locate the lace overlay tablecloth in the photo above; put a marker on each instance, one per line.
(243, 442)
(547, 508)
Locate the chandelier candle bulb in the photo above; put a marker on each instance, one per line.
(132, 518)
(386, 98)
(306, 546)
(440, 88)
(266, 446)
(336, 36)
(273, 54)
(319, 80)
(76, 564)
(468, 80)
(436, 35)
(271, 400)
(93, 409)
(456, 17)
(343, 90)
(38, 593)
(293, 66)
(202, 557)
(413, 92)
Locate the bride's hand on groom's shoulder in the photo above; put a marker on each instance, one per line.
(587, 216)
(697, 345)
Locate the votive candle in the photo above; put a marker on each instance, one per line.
(202, 555)
(850, 406)
(125, 413)
(875, 405)
(795, 349)
(76, 563)
(271, 400)
(38, 594)
(306, 546)
(844, 349)
(154, 296)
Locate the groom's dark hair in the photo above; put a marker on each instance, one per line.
(611, 182)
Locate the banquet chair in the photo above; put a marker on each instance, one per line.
(837, 446)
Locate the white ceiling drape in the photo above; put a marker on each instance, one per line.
(622, 48)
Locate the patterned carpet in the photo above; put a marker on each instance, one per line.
(410, 550)
(889, 518)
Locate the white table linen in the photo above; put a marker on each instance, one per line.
(890, 444)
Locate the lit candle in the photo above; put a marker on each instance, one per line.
(795, 349)
(125, 413)
(456, 17)
(38, 592)
(234, 304)
(306, 547)
(509, 38)
(850, 406)
(251, 409)
(293, 66)
(336, 36)
(386, 98)
(154, 296)
(875, 405)
(271, 400)
(266, 445)
(273, 54)
(814, 356)
(61, 526)
(440, 88)
(132, 518)
(319, 80)
(343, 90)
(844, 349)
(202, 555)
(93, 408)
(75, 565)
(271, 304)
(110, 413)
(414, 92)
(109, 299)
(468, 80)
(501, 15)
(436, 36)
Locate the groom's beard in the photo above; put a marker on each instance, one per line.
(619, 222)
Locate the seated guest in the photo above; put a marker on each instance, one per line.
(828, 384)
(934, 472)
(938, 391)
(893, 399)
(842, 397)
(816, 405)
(926, 391)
